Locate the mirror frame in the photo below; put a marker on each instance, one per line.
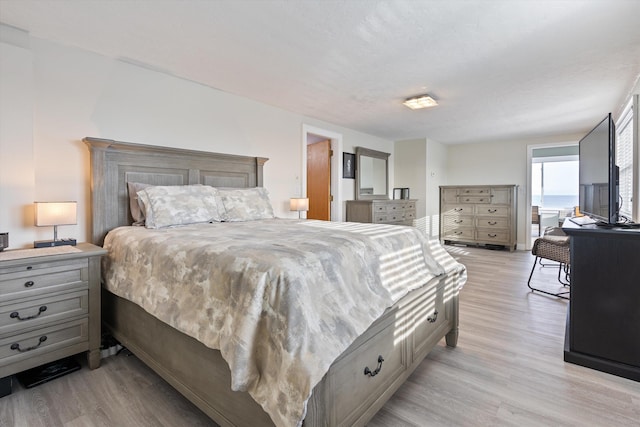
(366, 152)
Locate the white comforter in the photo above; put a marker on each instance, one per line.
(280, 299)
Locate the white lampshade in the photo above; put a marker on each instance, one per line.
(55, 213)
(299, 204)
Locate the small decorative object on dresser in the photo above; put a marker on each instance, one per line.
(49, 306)
(398, 212)
(479, 214)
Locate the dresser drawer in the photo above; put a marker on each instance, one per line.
(452, 222)
(458, 209)
(461, 233)
(30, 344)
(474, 191)
(492, 222)
(351, 369)
(498, 236)
(493, 210)
(475, 199)
(30, 281)
(22, 314)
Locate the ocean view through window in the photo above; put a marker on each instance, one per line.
(554, 184)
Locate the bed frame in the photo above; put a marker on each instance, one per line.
(359, 381)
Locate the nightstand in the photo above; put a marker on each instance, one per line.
(49, 306)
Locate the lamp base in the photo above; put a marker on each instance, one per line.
(52, 243)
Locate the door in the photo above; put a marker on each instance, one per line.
(319, 180)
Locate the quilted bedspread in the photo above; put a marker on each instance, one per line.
(281, 299)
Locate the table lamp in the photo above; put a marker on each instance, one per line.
(49, 214)
(299, 204)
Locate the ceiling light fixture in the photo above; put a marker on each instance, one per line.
(421, 101)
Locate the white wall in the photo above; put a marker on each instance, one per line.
(54, 95)
(421, 164)
(410, 170)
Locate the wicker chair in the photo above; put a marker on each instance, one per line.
(553, 246)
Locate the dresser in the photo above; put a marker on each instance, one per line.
(382, 211)
(49, 306)
(479, 214)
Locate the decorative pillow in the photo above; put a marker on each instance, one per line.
(164, 206)
(136, 212)
(245, 204)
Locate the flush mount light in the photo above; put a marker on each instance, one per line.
(421, 101)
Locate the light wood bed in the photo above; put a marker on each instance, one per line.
(403, 336)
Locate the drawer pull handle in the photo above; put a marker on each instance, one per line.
(458, 221)
(432, 319)
(458, 209)
(491, 222)
(29, 284)
(371, 373)
(16, 346)
(492, 235)
(16, 315)
(492, 210)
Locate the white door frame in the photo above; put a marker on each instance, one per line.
(336, 166)
(530, 148)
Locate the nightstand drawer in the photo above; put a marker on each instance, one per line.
(44, 340)
(30, 281)
(24, 314)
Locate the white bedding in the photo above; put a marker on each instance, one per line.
(281, 299)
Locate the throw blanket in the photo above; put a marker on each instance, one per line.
(281, 299)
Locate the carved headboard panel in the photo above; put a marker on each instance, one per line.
(114, 164)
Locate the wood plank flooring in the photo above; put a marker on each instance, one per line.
(507, 370)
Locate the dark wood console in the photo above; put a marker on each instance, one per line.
(603, 320)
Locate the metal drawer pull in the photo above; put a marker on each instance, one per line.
(432, 319)
(16, 346)
(491, 222)
(15, 314)
(458, 209)
(492, 210)
(29, 284)
(492, 235)
(371, 373)
(458, 221)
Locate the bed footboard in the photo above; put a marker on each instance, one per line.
(349, 394)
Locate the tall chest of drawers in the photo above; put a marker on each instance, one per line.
(49, 306)
(382, 211)
(479, 214)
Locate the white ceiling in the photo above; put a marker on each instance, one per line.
(501, 70)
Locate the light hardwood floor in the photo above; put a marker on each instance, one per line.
(507, 370)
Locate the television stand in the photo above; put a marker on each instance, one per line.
(603, 315)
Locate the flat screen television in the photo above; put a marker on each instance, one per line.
(598, 173)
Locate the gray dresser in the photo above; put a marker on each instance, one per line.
(382, 211)
(479, 214)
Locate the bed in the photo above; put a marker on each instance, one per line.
(357, 381)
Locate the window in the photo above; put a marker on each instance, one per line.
(554, 178)
(624, 160)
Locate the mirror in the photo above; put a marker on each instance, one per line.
(372, 174)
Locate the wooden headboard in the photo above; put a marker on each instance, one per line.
(115, 163)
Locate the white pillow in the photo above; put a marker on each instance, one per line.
(164, 206)
(245, 204)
